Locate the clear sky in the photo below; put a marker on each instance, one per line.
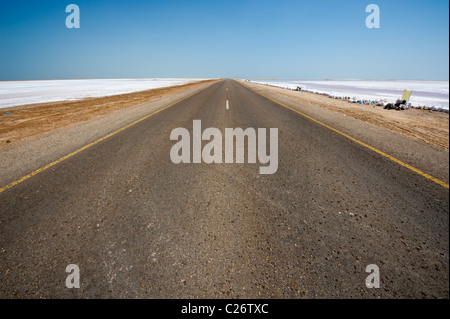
(284, 39)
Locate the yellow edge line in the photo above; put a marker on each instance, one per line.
(93, 143)
(415, 170)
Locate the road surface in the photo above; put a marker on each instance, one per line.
(139, 226)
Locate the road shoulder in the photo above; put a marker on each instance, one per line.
(425, 156)
(33, 152)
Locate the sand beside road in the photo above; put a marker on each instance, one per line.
(31, 120)
(417, 137)
(28, 121)
(427, 126)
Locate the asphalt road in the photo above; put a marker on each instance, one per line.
(140, 226)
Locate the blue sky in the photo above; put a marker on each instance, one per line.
(282, 39)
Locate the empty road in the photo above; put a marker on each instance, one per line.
(140, 226)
